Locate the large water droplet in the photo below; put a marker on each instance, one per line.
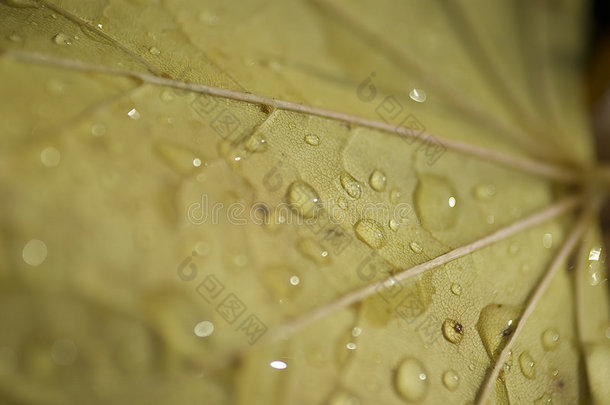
(417, 95)
(451, 380)
(370, 232)
(378, 180)
(351, 186)
(435, 202)
(411, 380)
(453, 331)
(550, 339)
(34, 252)
(154, 50)
(496, 323)
(303, 198)
(527, 365)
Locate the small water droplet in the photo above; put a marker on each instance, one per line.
(313, 250)
(64, 352)
(154, 50)
(62, 39)
(98, 129)
(255, 143)
(196, 162)
(484, 192)
(435, 203)
(134, 114)
(370, 232)
(15, 38)
(395, 196)
(545, 399)
(550, 339)
(295, 280)
(356, 331)
(451, 380)
(351, 346)
(547, 240)
(100, 26)
(415, 247)
(350, 185)
(453, 331)
(312, 139)
(495, 324)
(177, 157)
(393, 225)
(527, 365)
(378, 180)
(34, 252)
(303, 198)
(456, 289)
(204, 329)
(278, 365)
(417, 95)
(411, 380)
(50, 156)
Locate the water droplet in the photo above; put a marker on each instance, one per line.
(178, 158)
(100, 26)
(453, 331)
(342, 203)
(378, 180)
(204, 329)
(451, 380)
(415, 247)
(484, 192)
(278, 365)
(15, 38)
(394, 224)
(350, 185)
(196, 162)
(255, 143)
(456, 289)
(496, 323)
(313, 250)
(433, 202)
(417, 95)
(547, 240)
(351, 346)
(395, 196)
(527, 365)
(370, 232)
(281, 281)
(550, 339)
(62, 39)
(134, 114)
(295, 280)
(545, 399)
(411, 380)
(356, 331)
(50, 156)
(313, 140)
(154, 50)
(34, 252)
(64, 352)
(303, 198)
(98, 129)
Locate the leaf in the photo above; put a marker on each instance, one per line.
(298, 202)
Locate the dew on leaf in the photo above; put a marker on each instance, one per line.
(411, 380)
(134, 114)
(370, 232)
(416, 247)
(395, 195)
(547, 240)
(295, 280)
(456, 289)
(453, 331)
(278, 365)
(204, 329)
(495, 324)
(378, 180)
(550, 339)
(435, 202)
(62, 39)
(255, 143)
(50, 156)
(356, 331)
(34, 252)
(154, 50)
(280, 280)
(303, 198)
(351, 186)
(451, 380)
(393, 225)
(527, 365)
(312, 139)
